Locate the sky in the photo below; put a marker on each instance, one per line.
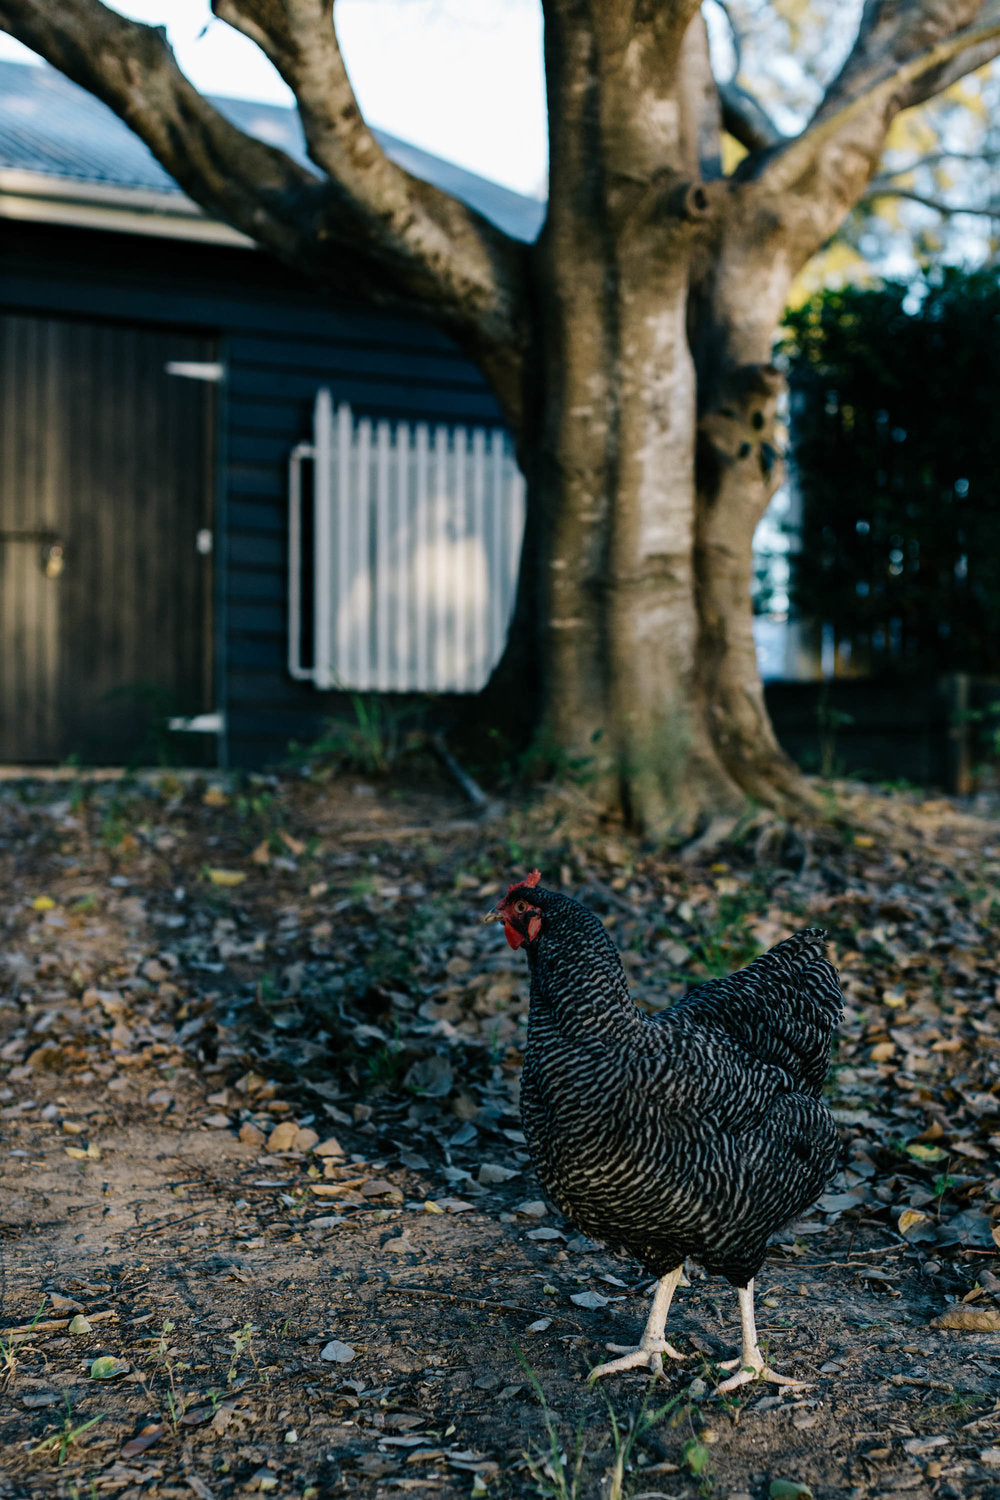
(462, 80)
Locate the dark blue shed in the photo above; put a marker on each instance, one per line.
(156, 372)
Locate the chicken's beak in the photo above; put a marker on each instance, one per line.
(493, 915)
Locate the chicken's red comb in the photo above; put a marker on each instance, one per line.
(531, 879)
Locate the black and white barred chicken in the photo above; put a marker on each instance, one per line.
(695, 1132)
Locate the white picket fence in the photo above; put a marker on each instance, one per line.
(416, 543)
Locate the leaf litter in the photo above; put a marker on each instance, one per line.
(332, 1027)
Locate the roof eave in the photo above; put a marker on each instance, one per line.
(42, 198)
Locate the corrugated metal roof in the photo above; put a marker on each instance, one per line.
(51, 126)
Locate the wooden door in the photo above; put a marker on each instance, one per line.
(106, 514)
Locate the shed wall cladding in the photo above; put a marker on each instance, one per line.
(280, 339)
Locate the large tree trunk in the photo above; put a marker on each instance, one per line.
(640, 568)
(614, 495)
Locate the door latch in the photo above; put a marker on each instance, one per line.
(51, 551)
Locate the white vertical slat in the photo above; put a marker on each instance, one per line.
(498, 581)
(458, 551)
(480, 657)
(345, 509)
(359, 602)
(404, 548)
(421, 579)
(384, 602)
(323, 503)
(439, 532)
(515, 532)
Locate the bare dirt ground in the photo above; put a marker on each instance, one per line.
(375, 1299)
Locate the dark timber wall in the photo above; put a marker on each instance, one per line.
(279, 339)
(106, 481)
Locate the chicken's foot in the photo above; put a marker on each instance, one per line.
(653, 1346)
(751, 1364)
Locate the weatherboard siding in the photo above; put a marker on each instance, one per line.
(279, 340)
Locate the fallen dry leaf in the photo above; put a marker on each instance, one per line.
(337, 1353)
(969, 1319)
(144, 1439)
(330, 1147)
(283, 1136)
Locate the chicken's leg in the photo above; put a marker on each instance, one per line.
(653, 1345)
(750, 1365)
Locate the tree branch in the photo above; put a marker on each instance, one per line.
(746, 120)
(881, 187)
(855, 124)
(892, 35)
(935, 158)
(787, 200)
(451, 258)
(369, 228)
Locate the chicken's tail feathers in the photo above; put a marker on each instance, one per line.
(783, 1007)
(802, 961)
(808, 943)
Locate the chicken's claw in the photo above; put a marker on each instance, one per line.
(749, 1369)
(635, 1356)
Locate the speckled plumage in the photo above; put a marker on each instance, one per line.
(696, 1132)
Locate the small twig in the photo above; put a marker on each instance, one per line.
(926, 1385)
(819, 1265)
(429, 1291)
(53, 1325)
(423, 830)
(471, 788)
(983, 1421)
(143, 1234)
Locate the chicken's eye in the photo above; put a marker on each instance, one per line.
(520, 906)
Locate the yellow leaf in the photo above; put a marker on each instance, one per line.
(431, 1207)
(215, 797)
(893, 997)
(43, 903)
(882, 1051)
(925, 1153)
(864, 841)
(909, 1218)
(227, 877)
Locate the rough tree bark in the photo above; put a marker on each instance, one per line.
(629, 348)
